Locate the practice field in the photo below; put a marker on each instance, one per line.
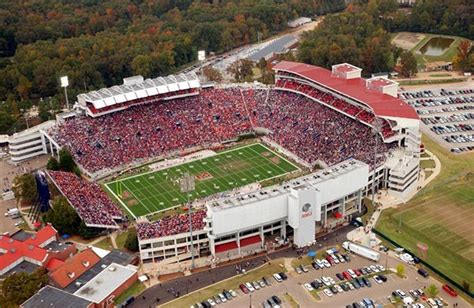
(441, 217)
(155, 191)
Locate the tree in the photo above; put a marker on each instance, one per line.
(66, 162)
(466, 285)
(43, 112)
(432, 290)
(401, 270)
(142, 65)
(6, 122)
(212, 74)
(462, 60)
(24, 187)
(52, 164)
(18, 287)
(131, 243)
(241, 70)
(88, 232)
(408, 63)
(63, 217)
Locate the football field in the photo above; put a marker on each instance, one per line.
(155, 191)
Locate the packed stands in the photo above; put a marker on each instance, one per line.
(91, 203)
(171, 225)
(321, 134)
(152, 130)
(310, 130)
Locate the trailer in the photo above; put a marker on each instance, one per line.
(361, 250)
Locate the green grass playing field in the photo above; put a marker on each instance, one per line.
(159, 190)
(440, 216)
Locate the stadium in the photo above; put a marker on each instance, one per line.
(286, 161)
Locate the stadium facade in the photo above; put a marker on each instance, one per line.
(301, 208)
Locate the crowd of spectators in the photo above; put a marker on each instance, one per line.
(90, 202)
(152, 130)
(171, 225)
(310, 130)
(360, 113)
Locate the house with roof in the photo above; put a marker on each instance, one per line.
(73, 268)
(50, 296)
(25, 251)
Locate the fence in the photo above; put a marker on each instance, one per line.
(441, 274)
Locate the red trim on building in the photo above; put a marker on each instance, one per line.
(250, 240)
(382, 105)
(226, 247)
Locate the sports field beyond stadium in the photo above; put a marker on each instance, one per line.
(441, 217)
(155, 191)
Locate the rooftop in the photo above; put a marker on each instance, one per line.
(381, 82)
(106, 282)
(13, 250)
(136, 89)
(300, 183)
(115, 256)
(383, 105)
(346, 68)
(74, 267)
(52, 297)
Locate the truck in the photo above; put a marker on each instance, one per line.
(361, 250)
(12, 212)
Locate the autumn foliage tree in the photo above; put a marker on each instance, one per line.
(464, 59)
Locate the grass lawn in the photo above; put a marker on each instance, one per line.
(440, 75)
(428, 174)
(441, 216)
(446, 56)
(106, 244)
(121, 238)
(315, 294)
(156, 191)
(306, 261)
(290, 300)
(266, 270)
(134, 290)
(432, 81)
(429, 163)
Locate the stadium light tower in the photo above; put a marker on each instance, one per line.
(187, 186)
(377, 127)
(65, 84)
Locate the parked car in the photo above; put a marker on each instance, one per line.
(308, 287)
(249, 286)
(450, 290)
(276, 299)
(283, 276)
(423, 272)
(277, 277)
(340, 276)
(327, 292)
(267, 281)
(377, 279)
(304, 269)
(244, 288)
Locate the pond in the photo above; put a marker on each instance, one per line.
(436, 46)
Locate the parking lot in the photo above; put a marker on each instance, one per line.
(447, 115)
(379, 293)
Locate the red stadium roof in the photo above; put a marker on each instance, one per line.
(382, 105)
